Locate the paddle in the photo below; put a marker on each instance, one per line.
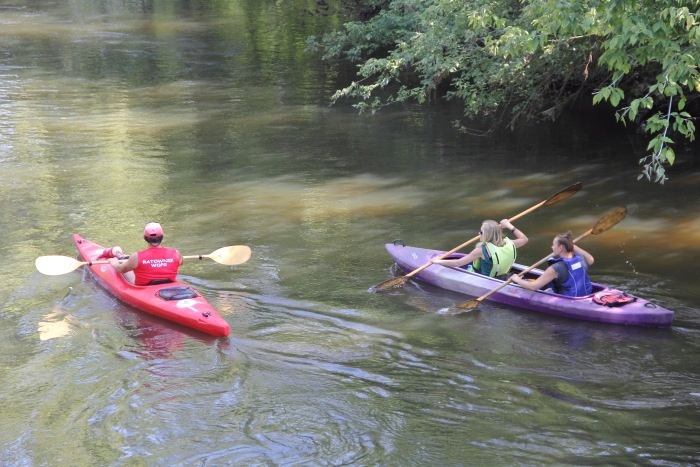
(55, 265)
(604, 223)
(396, 282)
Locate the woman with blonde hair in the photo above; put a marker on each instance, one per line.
(494, 254)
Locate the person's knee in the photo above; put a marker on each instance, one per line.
(130, 277)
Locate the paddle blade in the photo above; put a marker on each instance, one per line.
(55, 265)
(231, 255)
(393, 283)
(468, 305)
(563, 194)
(609, 220)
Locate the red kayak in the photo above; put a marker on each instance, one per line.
(174, 301)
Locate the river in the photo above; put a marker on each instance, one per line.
(213, 119)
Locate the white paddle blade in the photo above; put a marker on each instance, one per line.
(55, 265)
(231, 255)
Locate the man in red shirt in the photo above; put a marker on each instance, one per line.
(154, 265)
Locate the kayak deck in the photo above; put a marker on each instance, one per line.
(173, 301)
(637, 311)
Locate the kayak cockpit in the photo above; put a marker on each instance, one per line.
(532, 275)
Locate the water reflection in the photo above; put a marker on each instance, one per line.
(55, 324)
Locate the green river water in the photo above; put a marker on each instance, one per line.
(212, 118)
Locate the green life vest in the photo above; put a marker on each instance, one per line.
(497, 259)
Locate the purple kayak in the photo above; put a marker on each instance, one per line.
(605, 304)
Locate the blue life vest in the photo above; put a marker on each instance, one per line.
(577, 283)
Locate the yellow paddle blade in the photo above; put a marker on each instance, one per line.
(232, 255)
(55, 265)
(228, 255)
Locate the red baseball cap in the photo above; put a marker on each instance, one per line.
(153, 229)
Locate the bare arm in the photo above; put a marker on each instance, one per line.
(520, 237)
(581, 252)
(126, 266)
(547, 276)
(466, 259)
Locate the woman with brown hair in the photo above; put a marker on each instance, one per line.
(568, 270)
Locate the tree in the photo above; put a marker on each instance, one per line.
(509, 61)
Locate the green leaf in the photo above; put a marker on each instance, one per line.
(616, 95)
(634, 107)
(669, 155)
